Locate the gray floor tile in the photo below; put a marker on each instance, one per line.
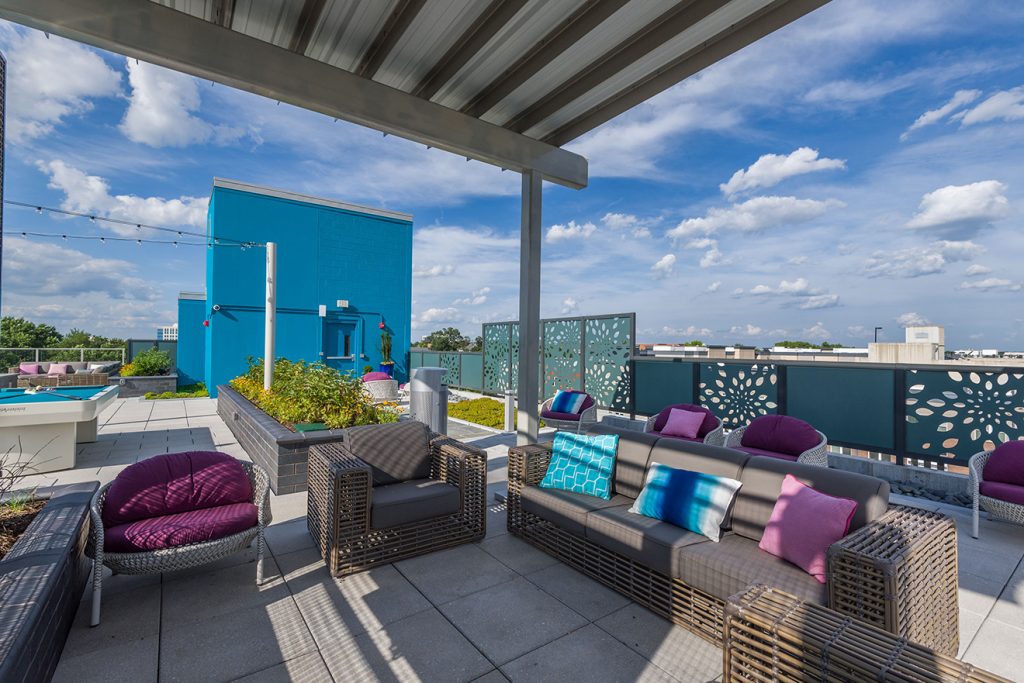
(674, 649)
(996, 648)
(497, 520)
(234, 644)
(210, 594)
(129, 661)
(423, 647)
(287, 537)
(978, 594)
(970, 624)
(588, 654)
(450, 574)
(125, 616)
(510, 619)
(516, 554)
(308, 668)
(581, 593)
(493, 677)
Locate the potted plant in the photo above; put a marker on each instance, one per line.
(386, 364)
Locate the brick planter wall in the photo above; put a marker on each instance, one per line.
(132, 387)
(41, 584)
(278, 450)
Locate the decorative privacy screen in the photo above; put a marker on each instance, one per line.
(738, 393)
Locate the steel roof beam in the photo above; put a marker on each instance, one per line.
(396, 25)
(223, 12)
(739, 35)
(163, 36)
(581, 22)
(493, 19)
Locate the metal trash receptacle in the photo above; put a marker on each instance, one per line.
(428, 398)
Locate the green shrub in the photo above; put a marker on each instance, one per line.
(147, 363)
(312, 392)
(482, 411)
(197, 390)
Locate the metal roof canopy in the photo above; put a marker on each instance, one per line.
(506, 82)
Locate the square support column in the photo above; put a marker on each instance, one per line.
(529, 310)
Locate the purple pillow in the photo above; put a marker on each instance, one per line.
(59, 369)
(30, 369)
(685, 423)
(174, 483)
(710, 421)
(780, 433)
(1000, 491)
(375, 376)
(1006, 464)
(804, 524)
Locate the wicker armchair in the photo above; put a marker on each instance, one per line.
(715, 437)
(588, 417)
(178, 557)
(996, 508)
(818, 455)
(382, 390)
(340, 507)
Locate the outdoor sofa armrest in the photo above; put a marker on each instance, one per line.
(342, 483)
(735, 437)
(649, 424)
(462, 465)
(716, 437)
(900, 573)
(526, 467)
(976, 469)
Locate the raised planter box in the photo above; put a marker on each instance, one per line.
(132, 387)
(278, 450)
(42, 580)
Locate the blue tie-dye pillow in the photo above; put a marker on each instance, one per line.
(692, 500)
(582, 464)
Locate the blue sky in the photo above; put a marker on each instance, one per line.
(859, 167)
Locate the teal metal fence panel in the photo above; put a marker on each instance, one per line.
(473, 371)
(850, 405)
(431, 359)
(450, 361)
(415, 359)
(563, 356)
(660, 383)
(609, 345)
(497, 350)
(739, 392)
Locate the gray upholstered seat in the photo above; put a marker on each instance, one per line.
(412, 501)
(728, 567)
(651, 542)
(564, 509)
(631, 458)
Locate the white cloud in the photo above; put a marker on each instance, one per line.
(918, 261)
(960, 99)
(478, 297)
(570, 231)
(570, 306)
(161, 110)
(976, 269)
(701, 243)
(712, 257)
(911, 320)
(436, 270)
(819, 301)
(798, 293)
(796, 260)
(772, 169)
(665, 266)
(962, 205)
(684, 333)
(639, 228)
(759, 213)
(990, 283)
(50, 80)
(786, 287)
(747, 330)
(91, 194)
(1006, 105)
(817, 331)
(436, 316)
(714, 287)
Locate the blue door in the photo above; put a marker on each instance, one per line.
(340, 344)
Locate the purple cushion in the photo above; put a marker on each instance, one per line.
(767, 454)
(804, 523)
(174, 483)
(30, 369)
(1001, 491)
(375, 376)
(780, 434)
(685, 423)
(59, 369)
(170, 531)
(555, 415)
(710, 421)
(681, 438)
(1006, 464)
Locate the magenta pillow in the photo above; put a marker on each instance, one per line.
(375, 376)
(804, 524)
(1000, 491)
(58, 369)
(184, 528)
(30, 369)
(174, 483)
(710, 421)
(780, 433)
(1006, 464)
(685, 423)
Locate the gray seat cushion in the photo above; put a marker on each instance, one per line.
(564, 509)
(412, 501)
(395, 452)
(726, 568)
(762, 484)
(630, 459)
(650, 542)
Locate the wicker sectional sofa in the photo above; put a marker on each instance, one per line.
(897, 568)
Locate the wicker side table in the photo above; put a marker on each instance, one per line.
(771, 635)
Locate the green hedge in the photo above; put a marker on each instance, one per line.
(197, 390)
(482, 411)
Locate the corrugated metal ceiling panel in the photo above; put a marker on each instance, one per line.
(272, 21)
(346, 30)
(197, 8)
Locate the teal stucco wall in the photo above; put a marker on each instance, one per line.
(324, 254)
(191, 341)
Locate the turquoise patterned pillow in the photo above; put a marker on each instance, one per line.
(582, 464)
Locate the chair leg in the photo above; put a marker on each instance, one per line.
(259, 557)
(97, 588)
(974, 526)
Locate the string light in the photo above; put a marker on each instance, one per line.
(138, 241)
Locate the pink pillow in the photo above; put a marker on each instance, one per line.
(804, 524)
(685, 423)
(58, 369)
(30, 369)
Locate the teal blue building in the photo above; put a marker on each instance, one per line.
(343, 272)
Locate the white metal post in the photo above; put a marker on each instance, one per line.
(529, 309)
(271, 315)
